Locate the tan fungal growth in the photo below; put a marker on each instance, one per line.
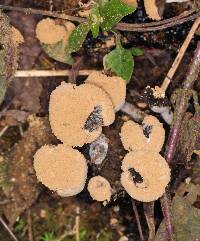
(49, 32)
(114, 86)
(61, 168)
(17, 36)
(151, 9)
(132, 3)
(149, 136)
(99, 188)
(145, 175)
(77, 113)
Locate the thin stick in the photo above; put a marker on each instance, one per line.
(77, 224)
(180, 55)
(149, 214)
(47, 73)
(172, 141)
(3, 131)
(8, 229)
(159, 25)
(43, 13)
(30, 231)
(74, 71)
(137, 220)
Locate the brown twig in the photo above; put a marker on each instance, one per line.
(30, 231)
(149, 214)
(180, 111)
(8, 229)
(144, 27)
(74, 71)
(137, 220)
(48, 73)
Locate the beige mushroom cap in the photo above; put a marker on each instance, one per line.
(152, 9)
(70, 113)
(99, 188)
(115, 87)
(61, 168)
(48, 32)
(134, 139)
(154, 171)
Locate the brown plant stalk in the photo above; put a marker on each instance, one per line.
(180, 110)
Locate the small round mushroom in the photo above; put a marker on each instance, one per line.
(77, 113)
(145, 175)
(115, 87)
(149, 136)
(61, 168)
(99, 188)
(49, 32)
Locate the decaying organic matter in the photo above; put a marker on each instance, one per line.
(8, 54)
(23, 189)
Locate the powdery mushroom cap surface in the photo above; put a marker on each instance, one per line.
(48, 32)
(114, 86)
(99, 188)
(149, 136)
(61, 168)
(152, 9)
(76, 113)
(145, 175)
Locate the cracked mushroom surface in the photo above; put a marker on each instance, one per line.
(149, 136)
(49, 32)
(61, 169)
(77, 113)
(99, 188)
(115, 87)
(145, 175)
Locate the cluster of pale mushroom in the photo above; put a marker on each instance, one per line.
(77, 114)
(145, 172)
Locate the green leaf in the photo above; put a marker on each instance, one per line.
(112, 12)
(78, 36)
(95, 20)
(58, 51)
(121, 62)
(137, 51)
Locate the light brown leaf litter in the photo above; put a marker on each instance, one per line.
(48, 31)
(114, 86)
(152, 9)
(77, 113)
(145, 175)
(24, 190)
(26, 93)
(149, 136)
(99, 188)
(61, 168)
